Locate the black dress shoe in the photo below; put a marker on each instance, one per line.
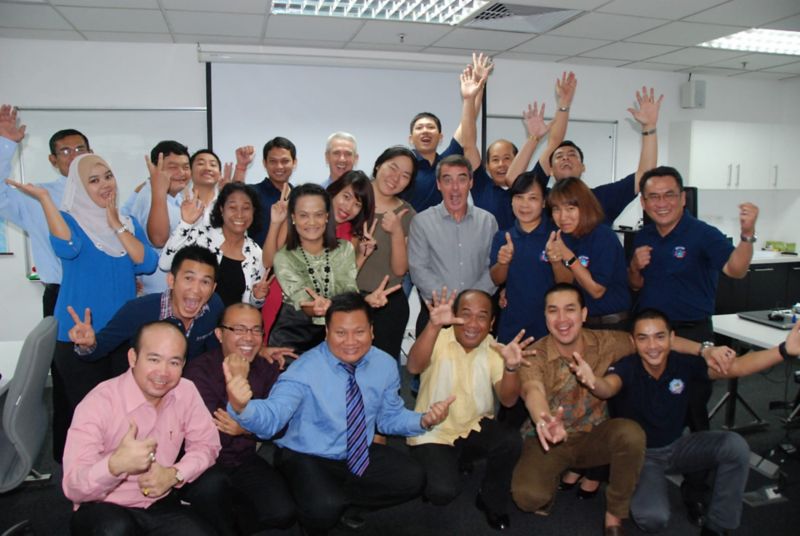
(695, 512)
(495, 520)
(565, 486)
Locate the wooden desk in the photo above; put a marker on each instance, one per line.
(9, 355)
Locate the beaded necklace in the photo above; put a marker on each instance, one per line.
(322, 288)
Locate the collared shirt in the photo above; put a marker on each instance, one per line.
(140, 209)
(470, 376)
(268, 195)
(658, 405)
(424, 194)
(582, 410)
(311, 398)
(103, 418)
(137, 312)
(206, 373)
(681, 279)
(492, 198)
(530, 275)
(442, 251)
(26, 213)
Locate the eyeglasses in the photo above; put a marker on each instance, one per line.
(66, 151)
(242, 330)
(667, 196)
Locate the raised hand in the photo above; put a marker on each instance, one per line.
(367, 243)
(318, 304)
(159, 176)
(157, 480)
(36, 192)
(392, 222)
(226, 424)
(550, 429)
(112, 213)
(82, 333)
(191, 207)
(647, 113)
(378, 297)
(441, 309)
(506, 252)
(244, 156)
(748, 214)
(482, 65)
(565, 89)
(437, 413)
(534, 120)
(277, 354)
(237, 365)
(237, 388)
(261, 289)
(132, 456)
(8, 124)
(227, 175)
(470, 84)
(582, 371)
(641, 258)
(514, 353)
(280, 208)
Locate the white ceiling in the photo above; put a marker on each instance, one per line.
(640, 34)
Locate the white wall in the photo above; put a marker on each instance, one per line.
(56, 73)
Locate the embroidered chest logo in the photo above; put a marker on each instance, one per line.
(679, 252)
(584, 260)
(676, 386)
(543, 256)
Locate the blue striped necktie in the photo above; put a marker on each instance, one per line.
(357, 448)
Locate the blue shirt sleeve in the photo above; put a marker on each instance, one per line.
(150, 261)
(68, 249)
(121, 328)
(615, 196)
(393, 417)
(267, 417)
(716, 247)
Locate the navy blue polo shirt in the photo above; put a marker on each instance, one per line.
(424, 194)
(267, 195)
(492, 198)
(659, 406)
(613, 196)
(529, 277)
(681, 279)
(601, 253)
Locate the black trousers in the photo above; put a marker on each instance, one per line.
(389, 324)
(262, 498)
(323, 488)
(49, 297)
(499, 444)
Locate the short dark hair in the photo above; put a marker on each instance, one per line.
(566, 143)
(524, 183)
(492, 304)
(238, 305)
(61, 134)
(565, 287)
(348, 302)
(394, 152)
(205, 151)
(453, 160)
(279, 142)
(428, 115)
(168, 147)
(650, 314)
(495, 142)
(573, 191)
(661, 171)
(329, 238)
(137, 339)
(216, 211)
(362, 189)
(194, 253)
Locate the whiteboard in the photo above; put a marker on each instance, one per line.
(597, 140)
(121, 136)
(253, 103)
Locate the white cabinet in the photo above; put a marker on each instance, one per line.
(722, 155)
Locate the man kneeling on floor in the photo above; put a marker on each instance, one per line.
(652, 387)
(466, 361)
(121, 456)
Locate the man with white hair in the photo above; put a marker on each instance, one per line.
(341, 155)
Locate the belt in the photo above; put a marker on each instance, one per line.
(691, 323)
(614, 318)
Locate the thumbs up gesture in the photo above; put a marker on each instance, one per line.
(132, 456)
(506, 252)
(238, 389)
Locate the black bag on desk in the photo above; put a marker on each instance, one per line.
(294, 329)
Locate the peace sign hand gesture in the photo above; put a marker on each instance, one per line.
(367, 244)
(159, 176)
(280, 208)
(582, 371)
(82, 333)
(550, 429)
(318, 305)
(378, 297)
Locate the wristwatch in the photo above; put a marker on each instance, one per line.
(703, 346)
(571, 261)
(178, 476)
(749, 239)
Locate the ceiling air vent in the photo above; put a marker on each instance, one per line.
(516, 18)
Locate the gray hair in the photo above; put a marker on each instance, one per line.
(340, 135)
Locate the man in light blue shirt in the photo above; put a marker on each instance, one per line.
(24, 211)
(311, 400)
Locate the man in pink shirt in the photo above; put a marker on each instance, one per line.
(121, 456)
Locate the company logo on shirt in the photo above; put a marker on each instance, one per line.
(584, 260)
(679, 252)
(676, 386)
(543, 256)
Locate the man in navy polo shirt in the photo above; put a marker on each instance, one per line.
(652, 387)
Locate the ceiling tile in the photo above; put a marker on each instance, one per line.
(448, 51)
(762, 75)
(115, 20)
(748, 12)
(565, 46)
(188, 22)
(715, 71)
(578, 60)
(23, 33)
(392, 47)
(485, 40)
(788, 68)
(530, 56)
(217, 39)
(303, 43)
(790, 24)
(629, 51)
(260, 7)
(673, 10)
(563, 4)
(27, 16)
(698, 56)
(604, 26)
(684, 34)
(389, 32)
(316, 28)
(128, 37)
(652, 66)
(757, 61)
(141, 4)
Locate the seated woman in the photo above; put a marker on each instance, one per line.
(101, 253)
(311, 268)
(236, 211)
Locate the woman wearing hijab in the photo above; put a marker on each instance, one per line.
(101, 253)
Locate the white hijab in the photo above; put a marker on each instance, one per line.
(91, 217)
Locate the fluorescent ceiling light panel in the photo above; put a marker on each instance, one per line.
(426, 11)
(758, 40)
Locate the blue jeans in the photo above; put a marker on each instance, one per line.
(726, 452)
